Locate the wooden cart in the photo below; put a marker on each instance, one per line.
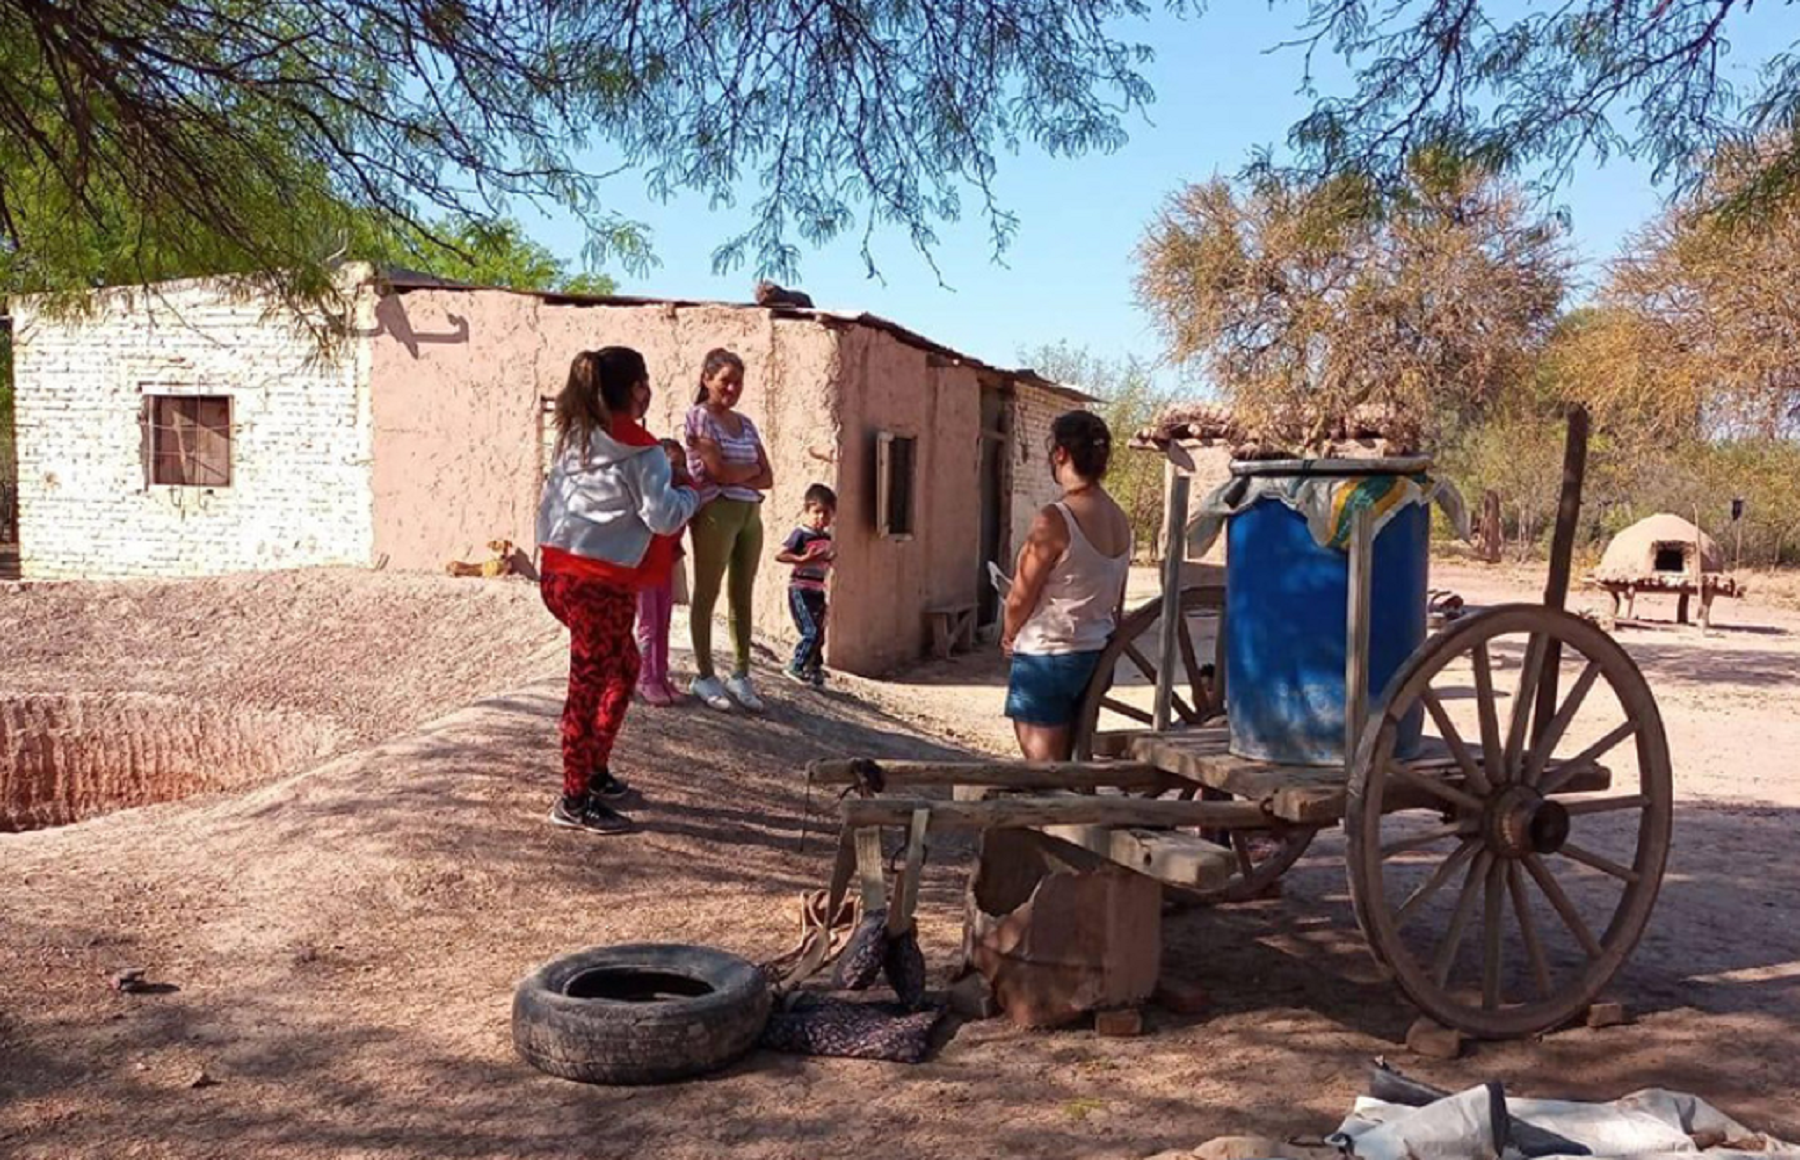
(1502, 876)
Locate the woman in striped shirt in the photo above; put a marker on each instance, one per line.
(731, 469)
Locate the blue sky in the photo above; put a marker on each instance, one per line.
(1068, 274)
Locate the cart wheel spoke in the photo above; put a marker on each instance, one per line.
(1607, 805)
(1436, 788)
(1493, 912)
(1445, 871)
(1240, 842)
(1459, 922)
(1586, 759)
(1545, 745)
(1485, 701)
(1147, 667)
(1430, 837)
(1534, 950)
(1472, 771)
(1124, 710)
(1523, 699)
(1190, 663)
(1141, 662)
(1606, 865)
(1125, 652)
(1571, 917)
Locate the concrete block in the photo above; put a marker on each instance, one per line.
(1432, 1040)
(1119, 1023)
(1607, 1015)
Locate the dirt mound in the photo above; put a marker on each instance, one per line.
(370, 654)
(66, 758)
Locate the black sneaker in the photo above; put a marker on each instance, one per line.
(605, 786)
(568, 810)
(816, 678)
(600, 818)
(584, 813)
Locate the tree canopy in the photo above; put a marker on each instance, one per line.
(1305, 306)
(1535, 88)
(482, 253)
(493, 252)
(212, 134)
(1696, 329)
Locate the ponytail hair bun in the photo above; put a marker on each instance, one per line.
(1087, 440)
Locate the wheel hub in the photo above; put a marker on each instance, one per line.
(1521, 821)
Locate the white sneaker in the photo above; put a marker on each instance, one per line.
(741, 691)
(711, 693)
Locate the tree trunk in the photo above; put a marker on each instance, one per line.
(1489, 543)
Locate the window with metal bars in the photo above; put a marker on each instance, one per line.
(188, 440)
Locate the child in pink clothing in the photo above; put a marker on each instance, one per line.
(656, 603)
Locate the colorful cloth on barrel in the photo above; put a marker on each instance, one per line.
(1381, 495)
(1329, 504)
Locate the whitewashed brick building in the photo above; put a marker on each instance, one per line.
(187, 430)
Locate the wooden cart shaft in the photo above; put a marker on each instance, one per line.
(1265, 793)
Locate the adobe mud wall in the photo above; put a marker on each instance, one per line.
(883, 586)
(460, 379)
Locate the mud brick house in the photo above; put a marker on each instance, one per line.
(189, 429)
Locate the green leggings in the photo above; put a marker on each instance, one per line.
(728, 533)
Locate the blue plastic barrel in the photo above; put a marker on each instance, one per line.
(1286, 612)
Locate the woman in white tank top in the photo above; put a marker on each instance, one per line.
(1066, 591)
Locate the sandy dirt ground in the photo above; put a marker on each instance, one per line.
(343, 942)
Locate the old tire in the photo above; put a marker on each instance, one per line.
(641, 1013)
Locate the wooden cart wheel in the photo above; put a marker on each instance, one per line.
(1263, 855)
(1509, 831)
(1120, 695)
(1108, 707)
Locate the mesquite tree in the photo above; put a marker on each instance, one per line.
(1538, 87)
(1310, 305)
(169, 136)
(1703, 331)
(144, 138)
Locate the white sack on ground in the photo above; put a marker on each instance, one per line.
(1645, 1125)
(1458, 1127)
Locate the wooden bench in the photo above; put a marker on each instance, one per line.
(952, 629)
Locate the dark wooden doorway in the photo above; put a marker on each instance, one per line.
(996, 499)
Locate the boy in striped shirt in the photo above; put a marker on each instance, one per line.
(810, 551)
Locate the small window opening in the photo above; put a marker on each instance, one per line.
(546, 437)
(1670, 558)
(896, 459)
(189, 440)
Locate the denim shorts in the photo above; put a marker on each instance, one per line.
(1046, 690)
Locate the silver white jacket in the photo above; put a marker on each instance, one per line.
(607, 503)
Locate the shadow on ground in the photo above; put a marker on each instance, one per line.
(346, 941)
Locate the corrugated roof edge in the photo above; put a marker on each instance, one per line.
(403, 280)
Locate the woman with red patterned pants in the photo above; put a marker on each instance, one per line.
(606, 528)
